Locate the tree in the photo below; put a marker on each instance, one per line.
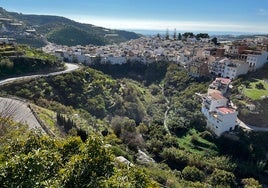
(158, 35)
(92, 164)
(260, 86)
(167, 34)
(215, 40)
(30, 161)
(247, 84)
(188, 35)
(179, 36)
(175, 34)
(202, 35)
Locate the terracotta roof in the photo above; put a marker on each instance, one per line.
(216, 96)
(226, 110)
(224, 81)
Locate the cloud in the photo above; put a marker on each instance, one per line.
(135, 24)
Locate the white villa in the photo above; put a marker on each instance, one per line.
(220, 118)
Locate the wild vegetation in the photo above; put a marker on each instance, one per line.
(156, 114)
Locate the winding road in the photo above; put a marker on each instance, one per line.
(18, 109)
(69, 68)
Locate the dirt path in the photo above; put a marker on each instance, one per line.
(166, 112)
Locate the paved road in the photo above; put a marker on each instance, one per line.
(18, 110)
(250, 127)
(70, 68)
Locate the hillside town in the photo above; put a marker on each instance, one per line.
(154, 94)
(200, 57)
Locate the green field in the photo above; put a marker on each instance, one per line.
(253, 92)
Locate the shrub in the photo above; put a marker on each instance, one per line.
(206, 135)
(250, 183)
(191, 173)
(222, 178)
(260, 86)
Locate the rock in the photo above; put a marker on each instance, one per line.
(123, 160)
(143, 158)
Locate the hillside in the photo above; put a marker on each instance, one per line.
(20, 59)
(128, 118)
(36, 30)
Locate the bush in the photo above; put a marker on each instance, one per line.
(260, 86)
(250, 183)
(222, 178)
(191, 173)
(206, 135)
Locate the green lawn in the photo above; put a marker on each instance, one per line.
(254, 93)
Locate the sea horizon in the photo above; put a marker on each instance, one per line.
(154, 32)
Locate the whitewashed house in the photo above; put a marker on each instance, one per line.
(234, 68)
(220, 118)
(257, 60)
(228, 68)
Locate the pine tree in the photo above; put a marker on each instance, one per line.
(167, 35)
(175, 34)
(179, 36)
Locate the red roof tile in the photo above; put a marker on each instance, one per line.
(224, 81)
(217, 96)
(226, 110)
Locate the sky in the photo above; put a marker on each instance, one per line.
(187, 15)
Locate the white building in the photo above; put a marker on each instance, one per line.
(257, 60)
(212, 101)
(228, 68)
(235, 68)
(114, 59)
(217, 67)
(220, 118)
(220, 84)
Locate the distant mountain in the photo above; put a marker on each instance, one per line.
(37, 30)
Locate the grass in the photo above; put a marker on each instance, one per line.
(260, 118)
(255, 93)
(193, 143)
(48, 117)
